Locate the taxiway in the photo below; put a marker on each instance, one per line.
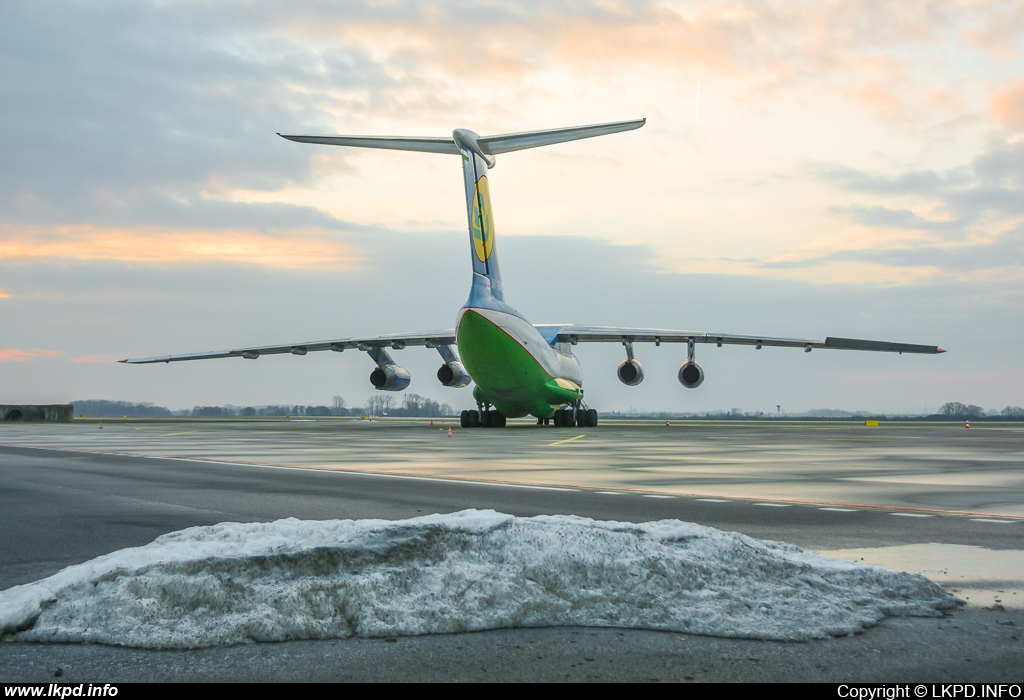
(935, 499)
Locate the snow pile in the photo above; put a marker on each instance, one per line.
(474, 570)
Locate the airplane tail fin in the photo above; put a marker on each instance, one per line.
(478, 155)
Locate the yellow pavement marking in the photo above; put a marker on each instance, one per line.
(562, 442)
(182, 433)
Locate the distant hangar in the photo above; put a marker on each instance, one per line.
(52, 413)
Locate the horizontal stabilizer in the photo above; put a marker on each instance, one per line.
(424, 144)
(489, 145)
(505, 143)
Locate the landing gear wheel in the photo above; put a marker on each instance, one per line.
(564, 418)
(464, 419)
(474, 419)
(592, 417)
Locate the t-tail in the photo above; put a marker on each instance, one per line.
(478, 156)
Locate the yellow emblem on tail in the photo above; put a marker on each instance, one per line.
(483, 222)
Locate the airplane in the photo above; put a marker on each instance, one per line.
(518, 368)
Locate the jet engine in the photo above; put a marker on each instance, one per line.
(691, 375)
(630, 372)
(453, 374)
(390, 378)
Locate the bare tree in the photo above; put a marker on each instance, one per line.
(339, 405)
(380, 404)
(374, 405)
(413, 405)
(955, 409)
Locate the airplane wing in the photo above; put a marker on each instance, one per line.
(612, 334)
(435, 339)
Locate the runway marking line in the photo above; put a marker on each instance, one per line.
(713, 500)
(773, 505)
(562, 442)
(841, 510)
(656, 495)
(913, 515)
(992, 520)
(186, 432)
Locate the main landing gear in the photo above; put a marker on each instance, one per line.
(572, 417)
(485, 417)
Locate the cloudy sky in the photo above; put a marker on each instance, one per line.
(808, 168)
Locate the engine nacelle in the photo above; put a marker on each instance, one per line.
(390, 378)
(630, 372)
(691, 375)
(453, 374)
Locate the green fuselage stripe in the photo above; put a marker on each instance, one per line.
(506, 374)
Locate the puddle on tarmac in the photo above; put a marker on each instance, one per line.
(982, 577)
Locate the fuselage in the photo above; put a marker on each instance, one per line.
(514, 367)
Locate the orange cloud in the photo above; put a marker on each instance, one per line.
(881, 101)
(4, 295)
(942, 99)
(731, 38)
(765, 45)
(1001, 31)
(161, 246)
(1007, 105)
(16, 355)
